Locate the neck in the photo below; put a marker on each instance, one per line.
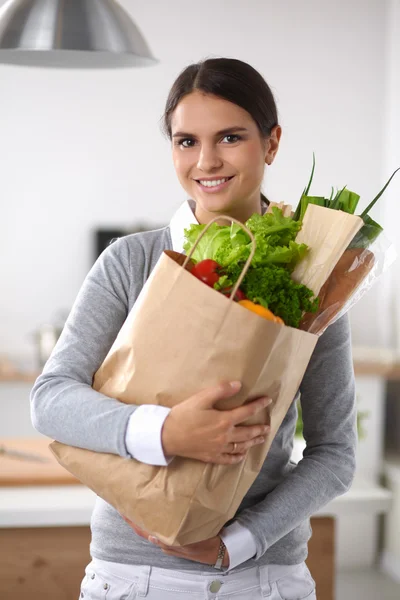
(240, 213)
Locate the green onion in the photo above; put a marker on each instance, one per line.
(366, 211)
(302, 205)
(335, 203)
(346, 201)
(367, 234)
(371, 229)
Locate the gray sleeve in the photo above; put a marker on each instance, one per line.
(63, 404)
(328, 466)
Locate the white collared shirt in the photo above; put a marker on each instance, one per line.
(143, 434)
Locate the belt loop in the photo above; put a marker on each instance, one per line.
(265, 585)
(144, 578)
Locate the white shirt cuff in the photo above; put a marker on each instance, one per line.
(143, 434)
(239, 542)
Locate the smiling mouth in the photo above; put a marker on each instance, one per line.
(210, 183)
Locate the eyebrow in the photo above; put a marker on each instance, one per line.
(219, 133)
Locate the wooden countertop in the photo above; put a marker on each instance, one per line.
(61, 505)
(389, 371)
(21, 472)
(17, 377)
(365, 367)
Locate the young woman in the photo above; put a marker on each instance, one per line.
(222, 120)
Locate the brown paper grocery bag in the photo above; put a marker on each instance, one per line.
(182, 336)
(327, 233)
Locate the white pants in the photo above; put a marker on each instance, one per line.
(272, 582)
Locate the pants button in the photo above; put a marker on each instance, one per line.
(215, 586)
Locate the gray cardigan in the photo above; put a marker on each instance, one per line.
(277, 507)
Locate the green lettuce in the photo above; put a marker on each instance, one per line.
(267, 281)
(209, 243)
(229, 244)
(273, 227)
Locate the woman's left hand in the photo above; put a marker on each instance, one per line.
(204, 552)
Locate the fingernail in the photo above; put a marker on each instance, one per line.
(267, 401)
(236, 385)
(153, 540)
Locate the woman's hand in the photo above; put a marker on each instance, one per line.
(195, 429)
(205, 552)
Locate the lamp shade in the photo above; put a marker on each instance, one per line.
(70, 33)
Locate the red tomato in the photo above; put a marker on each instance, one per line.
(207, 271)
(238, 296)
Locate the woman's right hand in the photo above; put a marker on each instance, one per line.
(195, 429)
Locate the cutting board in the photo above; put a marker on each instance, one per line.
(18, 472)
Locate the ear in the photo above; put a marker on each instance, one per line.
(272, 144)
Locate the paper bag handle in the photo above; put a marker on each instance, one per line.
(248, 261)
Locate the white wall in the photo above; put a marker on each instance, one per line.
(83, 149)
(390, 291)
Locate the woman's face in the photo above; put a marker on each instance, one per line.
(219, 155)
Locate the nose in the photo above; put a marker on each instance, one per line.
(209, 159)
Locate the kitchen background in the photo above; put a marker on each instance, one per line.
(82, 151)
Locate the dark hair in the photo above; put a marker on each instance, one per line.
(232, 80)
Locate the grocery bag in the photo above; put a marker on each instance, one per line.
(180, 337)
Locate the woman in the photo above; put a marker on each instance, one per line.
(222, 120)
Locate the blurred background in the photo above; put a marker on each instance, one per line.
(83, 160)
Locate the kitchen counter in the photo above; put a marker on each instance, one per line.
(45, 506)
(36, 520)
(71, 505)
(33, 518)
(40, 507)
(367, 361)
(44, 494)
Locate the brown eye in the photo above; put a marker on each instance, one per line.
(186, 143)
(232, 138)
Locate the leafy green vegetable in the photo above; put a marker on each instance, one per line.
(272, 287)
(367, 234)
(305, 201)
(233, 249)
(371, 229)
(275, 235)
(346, 201)
(287, 255)
(209, 243)
(230, 244)
(371, 204)
(297, 214)
(268, 280)
(273, 227)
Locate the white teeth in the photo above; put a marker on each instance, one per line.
(213, 183)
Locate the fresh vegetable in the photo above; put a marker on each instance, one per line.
(210, 242)
(268, 282)
(230, 244)
(346, 201)
(207, 271)
(261, 311)
(240, 295)
(273, 288)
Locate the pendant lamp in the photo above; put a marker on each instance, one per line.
(70, 34)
